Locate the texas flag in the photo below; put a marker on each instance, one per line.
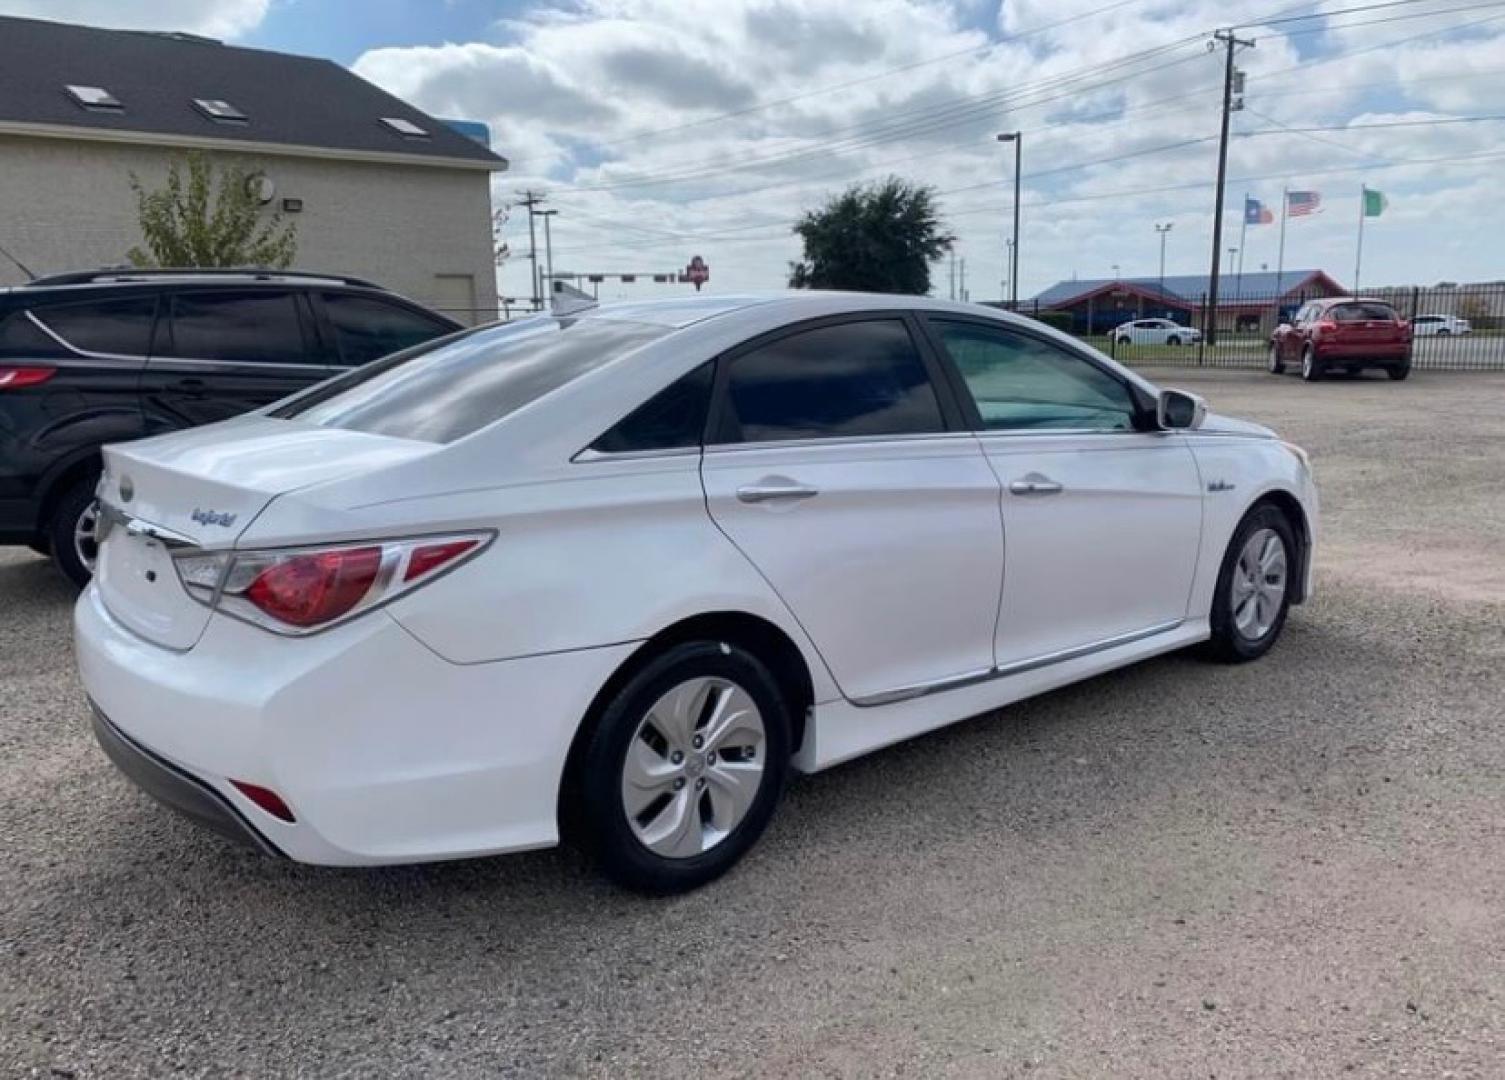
(1256, 212)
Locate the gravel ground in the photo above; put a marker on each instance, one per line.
(1292, 868)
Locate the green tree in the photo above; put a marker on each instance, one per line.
(192, 221)
(879, 237)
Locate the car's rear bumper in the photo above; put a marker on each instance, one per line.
(383, 751)
(1383, 353)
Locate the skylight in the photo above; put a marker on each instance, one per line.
(406, 128)
(95, 98)
(219, 110)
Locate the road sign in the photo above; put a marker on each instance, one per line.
(697, 273)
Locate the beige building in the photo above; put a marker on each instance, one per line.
(377, 189)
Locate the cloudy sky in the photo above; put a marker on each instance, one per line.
(661, 129)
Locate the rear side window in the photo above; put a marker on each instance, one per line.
(366, 328)
(440, 392)
(260, 326)
(21, 339)
(851, 379)
(1364, 313)
(672, 419)
(122, 326)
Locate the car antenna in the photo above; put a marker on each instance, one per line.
(19, 265)
(568, 300)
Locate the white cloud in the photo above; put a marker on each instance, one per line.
(223, 19)
(579, 100)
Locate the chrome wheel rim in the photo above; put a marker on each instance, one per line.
(85, 542)
(1259, 584)
(694, 767)
(1306, 363)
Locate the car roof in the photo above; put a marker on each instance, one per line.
(789, 305)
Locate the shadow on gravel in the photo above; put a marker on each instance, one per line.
(32, 580)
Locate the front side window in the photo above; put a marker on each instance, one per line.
(245, 326)
(122, 326)
(1022, 383)
(851, 379)
(441, 391)
(366, 328)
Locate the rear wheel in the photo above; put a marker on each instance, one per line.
(70, 532)
(1399, 371)
(1311, 367)
(1444, 332)
(1173, 340)
(1254, 586)
(1276, 364)
(682, 772)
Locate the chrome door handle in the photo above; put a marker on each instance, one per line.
(757, 493)
(1035, 485)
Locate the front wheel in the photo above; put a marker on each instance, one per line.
(1276, 364)
(1254, 586)
(1173, 340)
(683, 770)
(70, 532)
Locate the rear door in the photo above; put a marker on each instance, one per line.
(364, 328)
(831, 464)
(220, 352)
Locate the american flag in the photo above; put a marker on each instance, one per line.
(1301, 203)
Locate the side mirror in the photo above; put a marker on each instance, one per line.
(1178, 410)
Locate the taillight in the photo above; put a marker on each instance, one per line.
(1327, 326)
(14, 378)
(303, 590)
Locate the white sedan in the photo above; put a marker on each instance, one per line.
(1155, 332)
(1440, 326)
(613, 574)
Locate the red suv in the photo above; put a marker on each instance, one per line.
(1346, 334)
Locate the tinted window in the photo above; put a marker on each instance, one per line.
(104, 326)
(672, 418)
(247, 326)
(1364, 313)
(858, 378)
(20, 339)
(440, 392)
(1020, 382)
(366, 328)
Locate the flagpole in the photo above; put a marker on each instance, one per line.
(1280, 259)
(1243, 242)
(1358, 256)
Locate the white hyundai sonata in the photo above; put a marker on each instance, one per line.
(615, 573)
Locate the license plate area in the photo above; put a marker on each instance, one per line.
(140, 586)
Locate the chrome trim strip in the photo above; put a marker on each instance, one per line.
(841, 440)
(1018, 667)
(166, 363)
(589, 454)
(111, 516)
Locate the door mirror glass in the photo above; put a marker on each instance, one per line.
(1178, 410)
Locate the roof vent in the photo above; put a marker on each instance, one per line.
(406, 128)
(220, 111)
(94, 98)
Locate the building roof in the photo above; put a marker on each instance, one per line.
(290, 103)
(1191, 288)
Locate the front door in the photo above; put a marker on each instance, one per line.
(222, 352)
(1102, 521)
(831, 466)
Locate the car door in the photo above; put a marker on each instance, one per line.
(1294, 339)
(1101, 519)
(224, 351)
(836, 463)
(366, 327)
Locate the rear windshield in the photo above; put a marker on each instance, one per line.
(1366, 312)
(441, 391)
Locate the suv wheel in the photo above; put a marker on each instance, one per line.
(1399, 371)
(682, 773)
(70, 533)
(1311, 367)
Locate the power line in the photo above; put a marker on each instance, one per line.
(1278, 20)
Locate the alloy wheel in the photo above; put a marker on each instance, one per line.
(85, 541)
(694, 767)
(1258, 588)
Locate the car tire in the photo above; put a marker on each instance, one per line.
(1444, 332)
(1311, 367)
(1173, 340)
(1249, 607)
(1277, 366)
(1121, 341)
(72, 517)
(1399, 372)
(654, 776)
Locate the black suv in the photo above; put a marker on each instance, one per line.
(107, 356)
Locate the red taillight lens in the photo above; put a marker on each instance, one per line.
(265, 798)
(14, 378)
(1327, 326)
(307, 590)
(430, 557)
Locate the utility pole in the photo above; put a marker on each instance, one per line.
(1017, 138)
(953, 274)
(530, 199)
(1162, 230)
(962, 288)
(1210, 331)
(548, 253)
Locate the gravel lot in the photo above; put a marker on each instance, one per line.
(1294, 868)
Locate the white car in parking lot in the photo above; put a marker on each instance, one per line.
(1155, 332)
(614, 573)
(1439, 326)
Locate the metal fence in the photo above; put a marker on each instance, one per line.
(1245, 324)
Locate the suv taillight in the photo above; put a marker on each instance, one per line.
(14, 378)
(302, 590)
(1326, 326)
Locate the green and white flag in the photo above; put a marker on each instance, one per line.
(1374, 202)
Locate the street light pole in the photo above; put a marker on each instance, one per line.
(1162, 230)
(1017, 138)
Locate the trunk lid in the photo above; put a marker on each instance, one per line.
(201, 488)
